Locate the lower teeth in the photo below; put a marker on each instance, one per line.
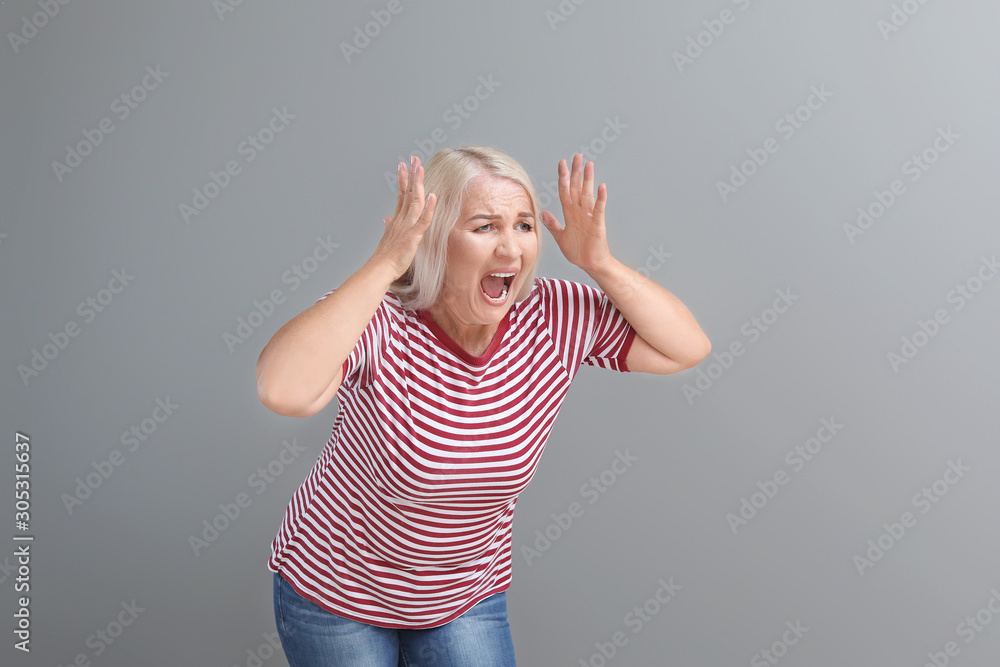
(503, 295)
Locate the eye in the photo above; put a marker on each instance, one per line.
(529, 226)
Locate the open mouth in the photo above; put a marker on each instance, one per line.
(496, 286)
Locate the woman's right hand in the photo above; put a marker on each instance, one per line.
(406, 228)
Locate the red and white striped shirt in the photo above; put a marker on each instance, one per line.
(405, 519)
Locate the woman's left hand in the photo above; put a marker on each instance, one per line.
(583, 241)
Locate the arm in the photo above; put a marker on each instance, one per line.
(668, 338)
(299, 370)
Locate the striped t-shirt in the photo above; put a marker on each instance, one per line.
(405, 519)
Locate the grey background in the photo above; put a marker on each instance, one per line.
(324, 176)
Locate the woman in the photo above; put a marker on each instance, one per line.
(450, 361)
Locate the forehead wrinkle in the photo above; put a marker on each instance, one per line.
(475, 205)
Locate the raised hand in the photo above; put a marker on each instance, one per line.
(406, 227)
(583, 241)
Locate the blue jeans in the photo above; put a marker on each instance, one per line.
(311, 636)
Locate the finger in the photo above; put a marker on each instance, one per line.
(602, 201)
(564, 194)
(410, 180)
(576, 178)
(400, 188)
(417, 199)
(429, 205)
(587, 196)
(551, 223)
(405, 185)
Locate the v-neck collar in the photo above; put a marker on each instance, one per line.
(453, 345)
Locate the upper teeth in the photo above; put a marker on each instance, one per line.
(502, 275)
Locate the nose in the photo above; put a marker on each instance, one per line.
(507, 245)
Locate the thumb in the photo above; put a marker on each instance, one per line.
(550, 222)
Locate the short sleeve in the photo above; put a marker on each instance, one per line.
(585, 325)
(364, 363)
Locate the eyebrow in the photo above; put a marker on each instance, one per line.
(522, 214)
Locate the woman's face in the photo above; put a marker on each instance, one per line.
(495, 232)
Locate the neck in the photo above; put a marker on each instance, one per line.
(476, 337)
